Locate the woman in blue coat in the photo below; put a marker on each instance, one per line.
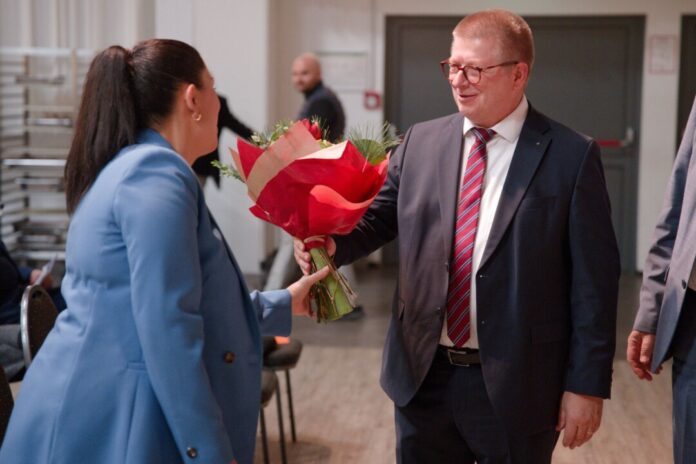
(158, 357)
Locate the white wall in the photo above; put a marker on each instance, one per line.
(233, 39)
(91, 24)
(335, 25)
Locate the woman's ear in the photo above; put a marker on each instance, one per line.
(191, 97)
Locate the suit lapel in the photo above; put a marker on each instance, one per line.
(215, 227)
(531, 146)
(451, 142)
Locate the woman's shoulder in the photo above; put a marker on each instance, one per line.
(144, 153)
(145, 162)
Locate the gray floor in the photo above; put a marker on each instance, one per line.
(343, 416)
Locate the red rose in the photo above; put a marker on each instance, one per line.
(313, 129)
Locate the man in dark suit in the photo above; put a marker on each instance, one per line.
(503, 322)
(665, 325)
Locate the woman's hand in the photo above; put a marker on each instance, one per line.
(302, 256)
(300, 292)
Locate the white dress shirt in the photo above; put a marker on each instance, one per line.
(499, 156)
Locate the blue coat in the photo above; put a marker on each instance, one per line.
(158, 357)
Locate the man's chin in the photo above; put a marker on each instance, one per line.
(466, 110)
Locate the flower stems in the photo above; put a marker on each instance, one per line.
(333, 298)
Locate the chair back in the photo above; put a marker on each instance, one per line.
(37, 316)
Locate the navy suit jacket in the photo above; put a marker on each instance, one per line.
(547, 283)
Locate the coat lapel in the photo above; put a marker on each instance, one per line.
(531, 146)
(215, 227)
(451, 142)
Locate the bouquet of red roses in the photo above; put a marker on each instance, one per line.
(312, 188)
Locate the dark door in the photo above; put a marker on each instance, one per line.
(687, 73)
(587, 75)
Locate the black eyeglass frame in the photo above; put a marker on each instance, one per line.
(445, 65)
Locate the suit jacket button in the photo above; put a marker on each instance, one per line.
(192, 452)
(229, 357)
(684, 284)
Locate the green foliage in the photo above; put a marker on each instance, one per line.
(227, 170)
(264, 139)
(373, 144)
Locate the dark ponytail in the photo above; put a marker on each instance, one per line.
(124, 92)
(106, 121)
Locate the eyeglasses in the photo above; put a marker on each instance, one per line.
(471, 73)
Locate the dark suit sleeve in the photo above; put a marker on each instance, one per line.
(594, 287)
(660, 254)
(228, 120)
(379, 225)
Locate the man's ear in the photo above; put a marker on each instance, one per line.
(191, 97)
(521, 73)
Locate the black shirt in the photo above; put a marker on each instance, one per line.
(323, 103)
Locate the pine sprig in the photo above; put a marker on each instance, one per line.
(373, 144)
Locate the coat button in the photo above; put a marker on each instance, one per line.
(684, 284)
(230, 357)
(192, 452)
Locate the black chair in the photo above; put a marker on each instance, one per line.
(37, 316)
(269, 385)
(283, 357)
(6, 404)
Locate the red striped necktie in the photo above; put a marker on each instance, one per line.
(459, 290)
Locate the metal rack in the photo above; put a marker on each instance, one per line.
(39, 95)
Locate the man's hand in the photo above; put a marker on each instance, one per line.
(580, 416)
(300, 291)
(304, 259)
(639, 353)
(47, 283)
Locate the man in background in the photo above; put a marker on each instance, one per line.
(323, 104)
(320, 101)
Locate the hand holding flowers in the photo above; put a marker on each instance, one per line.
(312, 188)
